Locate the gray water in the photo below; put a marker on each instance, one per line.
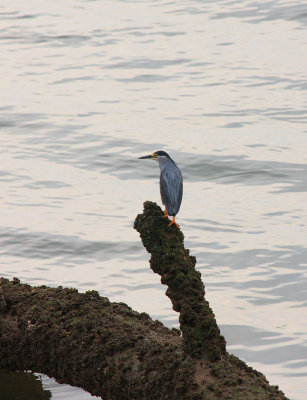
(89, 86)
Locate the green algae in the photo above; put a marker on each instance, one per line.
(115, 352)
(84, 340)
(169, 258)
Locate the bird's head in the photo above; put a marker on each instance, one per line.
(157, 155)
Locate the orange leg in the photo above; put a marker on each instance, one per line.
(174, 223)
(165, 213)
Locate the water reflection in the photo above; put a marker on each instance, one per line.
(26, 386)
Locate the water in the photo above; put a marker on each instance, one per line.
(87, 87)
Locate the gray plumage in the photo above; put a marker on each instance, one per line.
(171, 187)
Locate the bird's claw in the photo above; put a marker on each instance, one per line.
(173, 222)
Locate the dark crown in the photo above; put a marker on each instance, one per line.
(162, 153)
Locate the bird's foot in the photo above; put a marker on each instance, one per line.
(165, 214)
(174, 223)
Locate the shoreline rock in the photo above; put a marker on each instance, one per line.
(111, 351)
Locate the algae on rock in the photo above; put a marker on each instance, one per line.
(169, 259)
(112, 351)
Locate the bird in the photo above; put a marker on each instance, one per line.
(171, 184)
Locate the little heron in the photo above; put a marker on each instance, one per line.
(170, 184)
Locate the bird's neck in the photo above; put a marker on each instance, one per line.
(163, 162)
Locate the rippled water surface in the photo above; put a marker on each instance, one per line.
(87, 87)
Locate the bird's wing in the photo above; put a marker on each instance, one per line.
(164, 188)
(171, 189)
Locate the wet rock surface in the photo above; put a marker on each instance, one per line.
(84, 340)
(114, 352)
(169, 258)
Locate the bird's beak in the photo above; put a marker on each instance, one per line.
(149, 156)
(152, 156)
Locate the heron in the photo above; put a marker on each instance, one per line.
(171, 187)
